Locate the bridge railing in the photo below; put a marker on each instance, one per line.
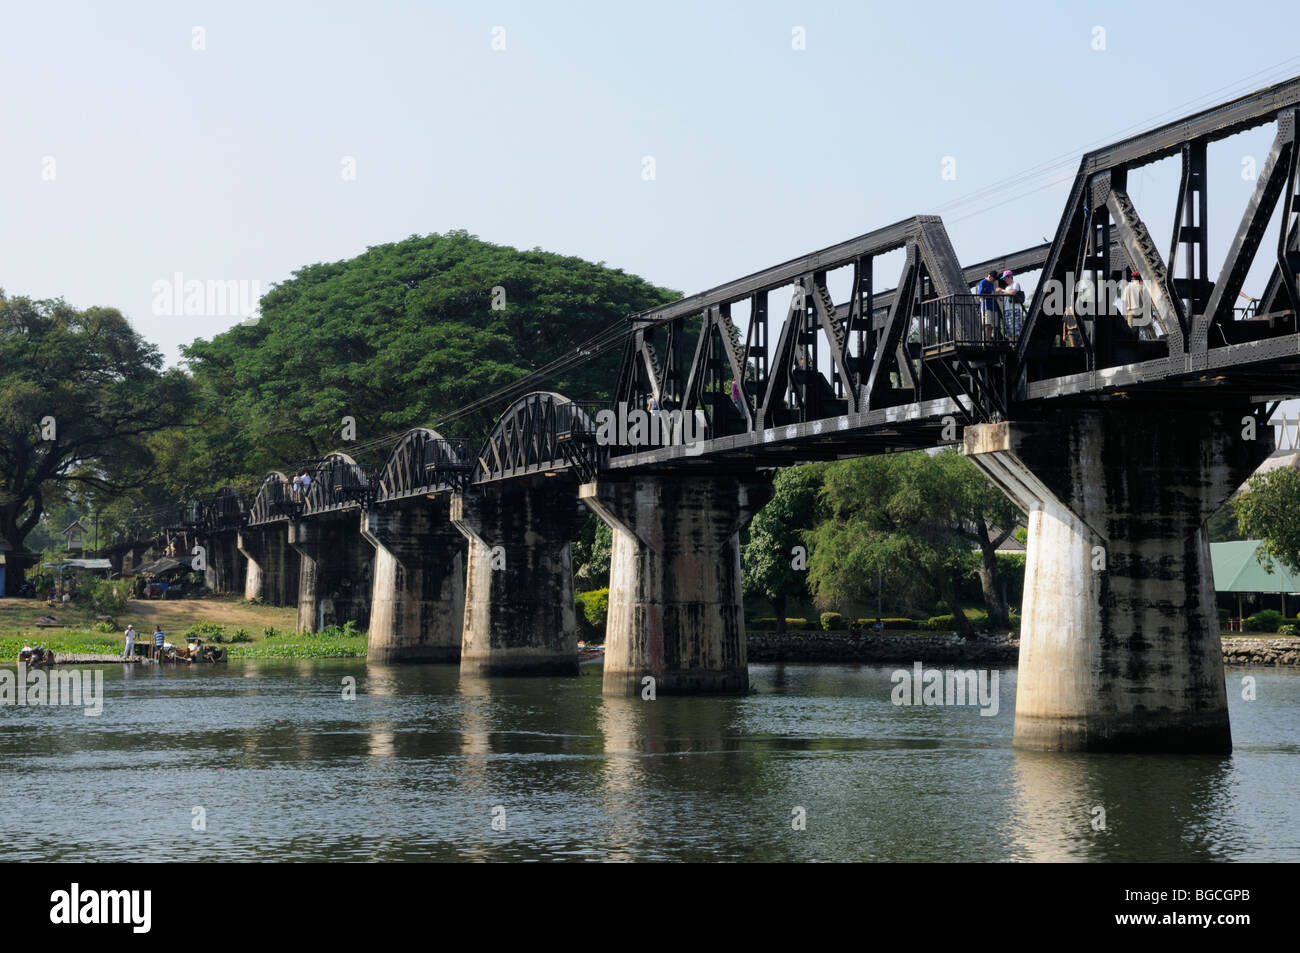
(971, 321)
(448, 460)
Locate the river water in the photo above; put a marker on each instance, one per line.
(422, 762)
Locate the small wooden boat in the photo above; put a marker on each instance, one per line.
(590, 654)
(38, 656)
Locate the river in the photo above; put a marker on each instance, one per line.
(266, 760)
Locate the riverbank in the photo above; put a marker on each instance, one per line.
(1004, 650)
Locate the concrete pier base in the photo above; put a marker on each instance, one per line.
(1119, 634)
(417, 604)
(675, 603)
(225, 569)
(519, 614)
(334, 579)
(272, 573)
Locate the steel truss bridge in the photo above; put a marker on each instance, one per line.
(889, 369)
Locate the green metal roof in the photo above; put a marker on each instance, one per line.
(1237, 570)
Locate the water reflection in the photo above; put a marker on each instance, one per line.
(1121, 807)
(412, 768)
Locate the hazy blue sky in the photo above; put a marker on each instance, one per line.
(226, 163)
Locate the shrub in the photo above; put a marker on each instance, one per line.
(892, 623)
(594, 606)
(979, 621)
(269, 632)
(208, 632)
(240, 636)
(107, 596)
(1224, 616)
(1266, 620)
(1287, 629)
(832, 621)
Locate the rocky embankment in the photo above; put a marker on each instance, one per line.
(837, 647)
(1276, 651)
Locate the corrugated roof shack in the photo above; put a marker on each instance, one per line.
(1244, 587)
(71, 574)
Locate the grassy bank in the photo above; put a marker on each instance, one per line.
(269, 629)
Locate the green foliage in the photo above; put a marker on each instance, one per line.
(1266, 620)
(107, 596)
(269, 632)
(63, 642)
(905, 519)
(831, 621)
(1288, 628)
(348, 630)
(103, 627)
(1224, 616)
(241, 635)
(948, 623)
(795, 625)
(416, 315)
(595, 605)
(590, 553)
(1269, 511)
(43, 583)
(896, 623)
(305, 645)
(770, 567)
(207, 631)
(108, 397)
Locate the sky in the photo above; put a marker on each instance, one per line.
(238, 142)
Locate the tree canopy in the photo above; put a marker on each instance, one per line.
(1269, 511)
(911, 520)
(82, 398)
(775, 554)
(397, 337)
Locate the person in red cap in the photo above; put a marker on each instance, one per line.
(1013, 311)
(1137, 307)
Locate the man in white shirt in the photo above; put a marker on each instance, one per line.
(1137, 308)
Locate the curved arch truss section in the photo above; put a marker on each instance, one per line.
(535, 436)
(337, 483)
(274, 501)
(424, 462)
(225, 510)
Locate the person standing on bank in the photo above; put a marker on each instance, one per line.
(158, 638)
(129, 651)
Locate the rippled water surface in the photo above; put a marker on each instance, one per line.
(416, 766)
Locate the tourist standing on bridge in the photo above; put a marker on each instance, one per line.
(1013, 310)
(1137, 308)
(129, 651)
(987, 289)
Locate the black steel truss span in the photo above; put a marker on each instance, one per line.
(897, 368)
(424, 462)
(273, 501)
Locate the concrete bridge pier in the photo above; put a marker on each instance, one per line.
(1119, 633)
(272, 573)
(418, 599)
(519, 614)
(334, 579)
(675, 606)
(225, 568)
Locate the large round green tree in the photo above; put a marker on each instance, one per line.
(82, 398)
(398, 337)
